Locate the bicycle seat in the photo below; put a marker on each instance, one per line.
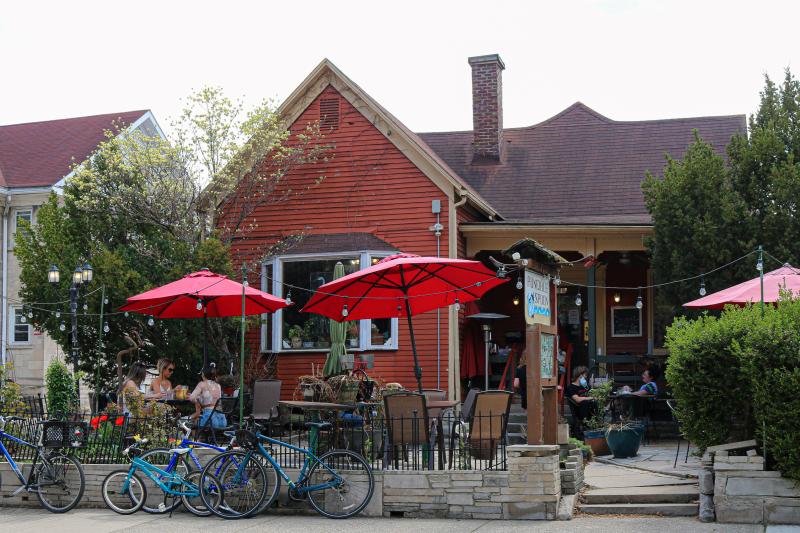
(180, 451)
(318, 425)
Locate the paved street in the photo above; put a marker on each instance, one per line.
(99, 520)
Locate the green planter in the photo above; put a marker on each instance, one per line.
(625, 442)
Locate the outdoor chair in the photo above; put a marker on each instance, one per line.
(433, 395)
(487, 424)
(266, 397)
(408, 426)
(229, 408)
(459, 426)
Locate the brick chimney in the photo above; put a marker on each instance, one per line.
(487, 106)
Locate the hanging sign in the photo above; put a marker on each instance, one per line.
(537, 298)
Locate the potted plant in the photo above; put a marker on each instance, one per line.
(624, 438)
(295, 334)
(308, 334)
(352, 331)
(228, 384)
(595, 434)
(377, 336)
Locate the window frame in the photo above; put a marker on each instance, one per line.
(275, 286)
(17, 212)
(614, 334)
(12, 315)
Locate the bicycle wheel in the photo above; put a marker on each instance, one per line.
(241, 484)
(157, 500)
(60, 483)
(190, 493)
(273, 482)
(122, 494)
(350, 481)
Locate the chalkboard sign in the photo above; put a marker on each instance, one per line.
(626, 322)
(547, 345)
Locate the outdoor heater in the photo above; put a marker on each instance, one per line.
(486, 326)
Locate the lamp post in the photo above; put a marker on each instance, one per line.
(82, 275)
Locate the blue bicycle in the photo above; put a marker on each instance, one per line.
(56, 478)
(124, 492)
(337, 484)
(174, 460)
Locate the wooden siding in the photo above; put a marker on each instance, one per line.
(369, 186)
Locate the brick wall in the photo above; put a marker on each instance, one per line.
(487, 105)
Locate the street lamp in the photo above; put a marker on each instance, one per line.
(81, 276)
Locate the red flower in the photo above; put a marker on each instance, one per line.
(119, 421)
(104, 418)
(95, 422)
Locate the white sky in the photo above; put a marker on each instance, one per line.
(627, 59)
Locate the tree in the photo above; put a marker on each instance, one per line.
(707, 212)
(136, 210)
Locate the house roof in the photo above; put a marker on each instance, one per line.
(578, 167)
(39, 154)
(320, 243)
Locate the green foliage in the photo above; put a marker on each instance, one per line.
(601, 394)
(11, 403)
(737, 376)
(60, 385)
(707, 213)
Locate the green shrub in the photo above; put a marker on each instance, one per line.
(771, 353)
(707, 378)
(11, 403)
(60, 389)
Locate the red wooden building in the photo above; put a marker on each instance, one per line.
(572, 183)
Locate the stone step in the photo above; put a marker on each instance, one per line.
(517, 438)
(518, 418)
(636, 495)
(659, 509)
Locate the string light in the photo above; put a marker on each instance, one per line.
(30, 313)
(246, 284)
(557, 280)
(62, 327)
(199, 305)
(23, 319)
(345, 312)
(702, 287)
(578, 300)
(516, 300)
(457, 304)
(617, 297)
(106, 328)
(639, 303)
(289, 297)
(58, 314)
(151, 321)
(85, 307)
(760, 265)
(126, 314)
(105, 301)
(519, 283)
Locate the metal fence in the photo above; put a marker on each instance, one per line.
(399, 443)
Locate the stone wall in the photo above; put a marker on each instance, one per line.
(745, 493)
(529, 490)
(572, 469)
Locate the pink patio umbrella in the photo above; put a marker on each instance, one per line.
(786, 278)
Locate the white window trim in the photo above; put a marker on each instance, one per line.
(16, 213)
(614, 333)
(13, 337)
(365, 335)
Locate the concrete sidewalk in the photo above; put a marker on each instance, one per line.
(660, 458)
(19, 520)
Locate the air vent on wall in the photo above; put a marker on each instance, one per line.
(329, 114)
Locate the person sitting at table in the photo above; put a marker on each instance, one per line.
(584, 406)
(160, 386)
(205, 396)
(130, 391)
(649, 376)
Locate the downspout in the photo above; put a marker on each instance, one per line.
(6, 209)
(456, 205)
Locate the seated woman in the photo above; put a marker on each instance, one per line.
(205, 397)
(576, 391)
(649, 376)
(129, 392)
(162, 385)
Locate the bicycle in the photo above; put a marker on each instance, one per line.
(337, 484)
(124, 492)
(58, 479)
(174, 460)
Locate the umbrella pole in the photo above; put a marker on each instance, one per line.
(205, 335)
(417, 369)
(241, 354)
(761, 276)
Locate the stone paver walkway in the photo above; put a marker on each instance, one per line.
(659, 458)
(606, 476)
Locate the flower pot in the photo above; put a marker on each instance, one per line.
(296, 343)
(625, 442)
(596, 439)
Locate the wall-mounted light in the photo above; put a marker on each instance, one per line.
(617, 297)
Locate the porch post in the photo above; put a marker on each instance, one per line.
(591, 305)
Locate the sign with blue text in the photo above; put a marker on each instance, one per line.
(537, 298)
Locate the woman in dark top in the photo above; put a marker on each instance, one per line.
(583, 406)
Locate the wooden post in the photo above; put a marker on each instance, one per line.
(532, 366)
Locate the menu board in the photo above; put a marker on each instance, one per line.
(547, 349)
(626, 322)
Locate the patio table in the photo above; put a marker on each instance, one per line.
(440, 405)
(315, 408)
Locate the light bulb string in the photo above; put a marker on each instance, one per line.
(60, 302)
(663, 284)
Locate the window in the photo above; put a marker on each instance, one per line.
(626, 321)
(25, 215)
(307, 331)
(21, 329)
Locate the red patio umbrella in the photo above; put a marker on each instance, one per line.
(786, 278)
(203, 294)
(403, 285)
